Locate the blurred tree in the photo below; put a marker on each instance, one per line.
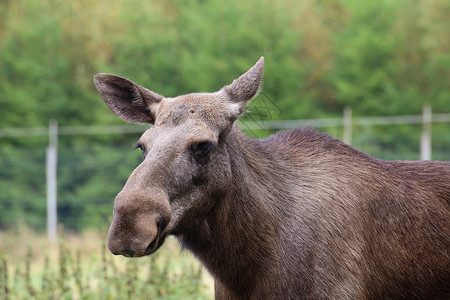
(365, 59)
(380, 57)
(423, 55)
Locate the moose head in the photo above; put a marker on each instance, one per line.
(186, 164)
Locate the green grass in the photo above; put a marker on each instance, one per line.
(81, 267)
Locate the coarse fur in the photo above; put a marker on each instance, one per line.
(299, 215)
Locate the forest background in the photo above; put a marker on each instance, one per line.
(381, 58)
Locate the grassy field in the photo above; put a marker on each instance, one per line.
(81, 267)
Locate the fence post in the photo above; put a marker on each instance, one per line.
(425, 143)
(347, 138)
(52, 164)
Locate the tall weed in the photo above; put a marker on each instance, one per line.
(77, 275)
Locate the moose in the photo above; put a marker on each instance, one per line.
(298, 215)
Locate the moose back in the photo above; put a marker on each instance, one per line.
(299, 215)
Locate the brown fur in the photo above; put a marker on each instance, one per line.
(298, 215)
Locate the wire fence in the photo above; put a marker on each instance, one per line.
(93, 162)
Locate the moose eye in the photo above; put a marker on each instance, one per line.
(140, 146)
(200, 151)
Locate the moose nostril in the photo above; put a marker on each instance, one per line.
(162, 223)
(127, 252)
(153, 244)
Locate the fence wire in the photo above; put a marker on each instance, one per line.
(92, 168)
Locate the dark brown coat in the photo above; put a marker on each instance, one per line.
(299, 215)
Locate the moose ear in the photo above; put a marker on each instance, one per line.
(129, 101)
(245, 87)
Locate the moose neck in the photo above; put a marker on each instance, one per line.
(237, 240)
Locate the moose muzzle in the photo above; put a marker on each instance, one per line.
(138, 224)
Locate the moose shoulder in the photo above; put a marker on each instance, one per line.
(299, 215)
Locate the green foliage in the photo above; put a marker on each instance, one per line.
(379, 57)
(4, 289)
(101, 278)
(22, 182)
(365, 58)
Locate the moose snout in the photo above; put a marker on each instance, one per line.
(139, 223)
(136, 238)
